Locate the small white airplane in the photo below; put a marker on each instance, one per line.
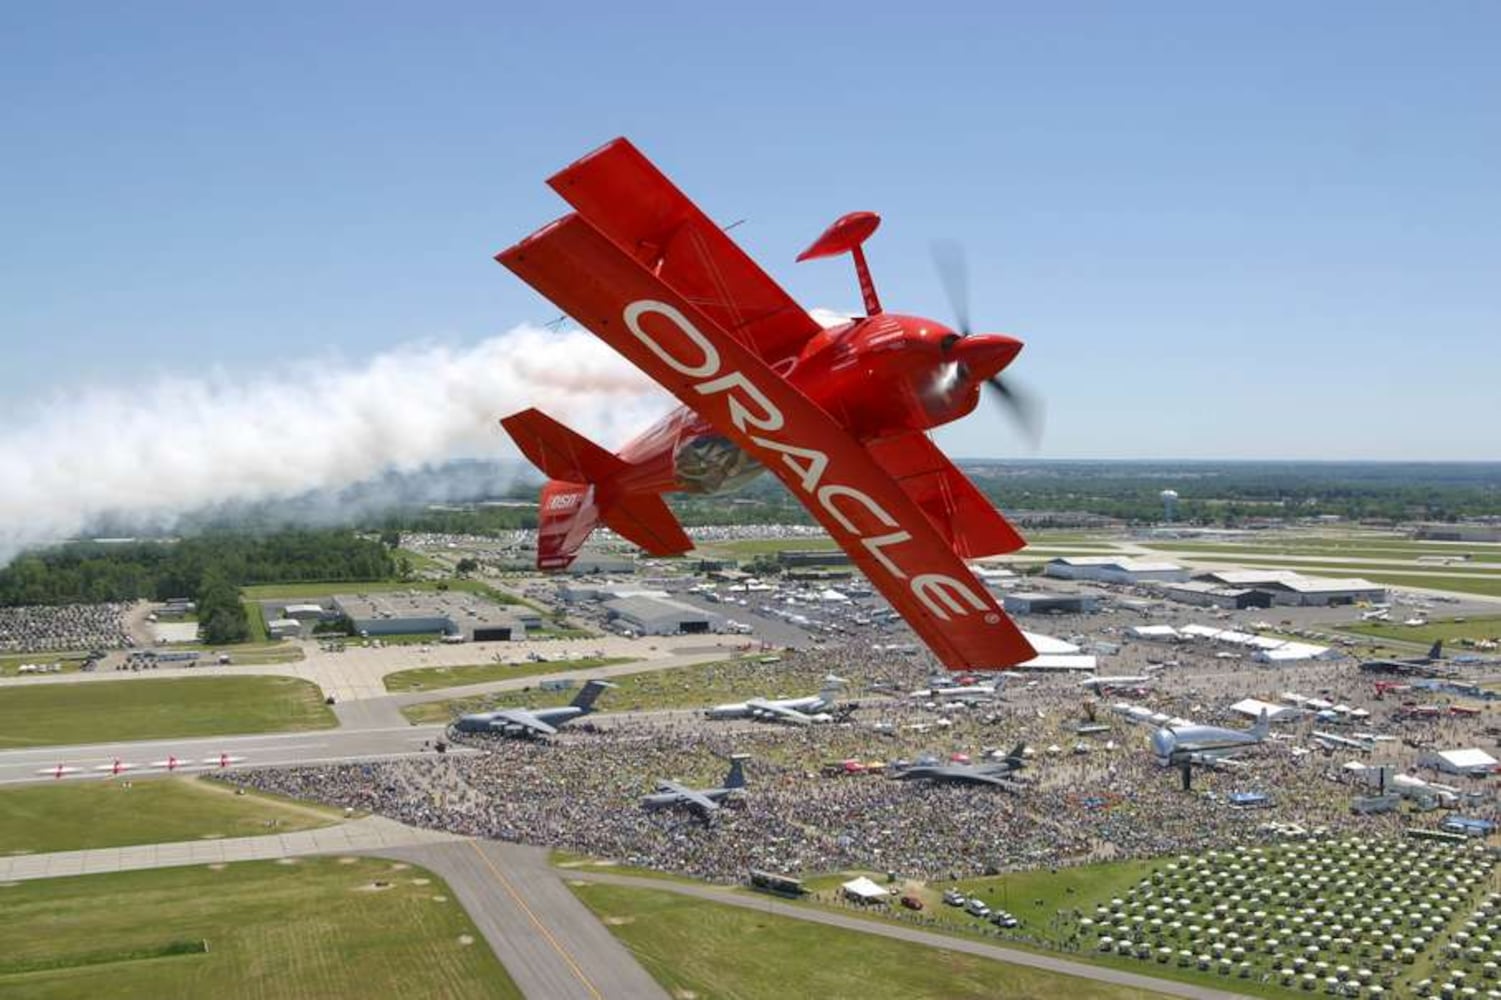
(223, 760)
(171, 763)
(118, 767)
(797, 711)
(58, 771)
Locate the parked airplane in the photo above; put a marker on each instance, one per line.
(961, 692)
(58, 771)
(1099, 684)
(993, 773)
(532, 721)
(1332, 740)
(117, 767)
(1419, 666)
(1201, 744)
(703, 801)
(798, 711)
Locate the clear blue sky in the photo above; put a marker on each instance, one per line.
(1254, 230)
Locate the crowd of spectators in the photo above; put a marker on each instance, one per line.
(1086, 798)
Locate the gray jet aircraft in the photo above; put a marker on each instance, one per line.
(703, 801)
(532, 721)
(994, 773)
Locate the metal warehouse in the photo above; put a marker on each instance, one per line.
(662, 616)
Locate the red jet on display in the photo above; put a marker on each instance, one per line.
(840, 415)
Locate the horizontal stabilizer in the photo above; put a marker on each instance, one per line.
(961, 513)
(558, 451)
(644, 519)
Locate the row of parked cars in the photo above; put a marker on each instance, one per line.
(975, 907)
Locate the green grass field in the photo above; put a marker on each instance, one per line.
(72, 816)
(138, 709)
(437, 678)
(10, 665)
(681, 687)
(255, 617)
(1438, 628)
(1325, 547)
(319, 928)
(703, 949)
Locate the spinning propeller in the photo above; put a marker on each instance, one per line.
(1023, 406)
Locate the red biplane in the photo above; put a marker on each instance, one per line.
(840, 415)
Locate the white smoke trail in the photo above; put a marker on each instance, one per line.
(151, 453)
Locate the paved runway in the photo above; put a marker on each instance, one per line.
(201, 754)
(549, 942)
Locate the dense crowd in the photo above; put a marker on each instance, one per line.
(1091, 798)
(54, 628)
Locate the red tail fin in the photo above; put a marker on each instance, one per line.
(587, 488)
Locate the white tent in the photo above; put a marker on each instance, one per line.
(1253, 707)
(1473, 760)
(863, 890)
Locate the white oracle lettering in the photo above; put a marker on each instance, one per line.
(563, 501)
(810, 474)
(875, 545)
(769, 419)
(707, 366)
(929, 585)
(827, 494)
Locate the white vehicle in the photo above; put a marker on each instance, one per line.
(975, 908)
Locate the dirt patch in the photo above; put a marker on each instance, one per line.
(440, 899)
(9, 885)
(605, 863)
(466, 939)
(682, 994)
(348, 861)
(286, 861)
(374, 887)
(619, 921)
(422, 881)
(400, 866)
(217, 866)
(211, 836)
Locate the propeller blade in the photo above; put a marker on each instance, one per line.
(953, 272)
(1022, 405)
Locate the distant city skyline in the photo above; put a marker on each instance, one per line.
(1223, 233)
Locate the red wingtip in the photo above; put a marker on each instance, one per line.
(847, 233)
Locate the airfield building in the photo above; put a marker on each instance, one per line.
(652, 615)
(455, 614)
(1205, 594)
(1036, 603)
(1114, 569)
(1294, 589)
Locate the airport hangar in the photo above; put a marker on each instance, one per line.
(645, 612)
(1285, 587)
(1114, 569)
(454, 614)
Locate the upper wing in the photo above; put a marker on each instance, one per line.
(688, 795)
(969, 522)
(526, 720)
(623, 195)
(887, 535)
(760, 706)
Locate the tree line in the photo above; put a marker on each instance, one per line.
(92, 572)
